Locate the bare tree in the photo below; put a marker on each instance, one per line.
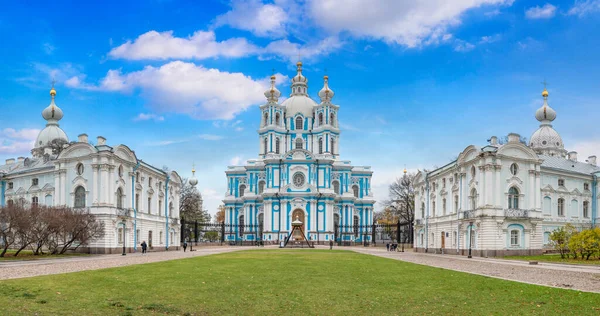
(190, 204)
(9, 218)
(401, 202)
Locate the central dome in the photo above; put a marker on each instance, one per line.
(299, 104)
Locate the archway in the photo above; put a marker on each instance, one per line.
(298, 214)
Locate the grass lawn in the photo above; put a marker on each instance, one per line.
(554, 258)
(283, 282)
(28, 255)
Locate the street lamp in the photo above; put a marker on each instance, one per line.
(124, 227)
(470, 238)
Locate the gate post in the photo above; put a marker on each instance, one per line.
(183, 231)
(222, 233)
(373, 235)
(196, 232)
(398, 231)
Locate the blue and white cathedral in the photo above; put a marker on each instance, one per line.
(298, 174)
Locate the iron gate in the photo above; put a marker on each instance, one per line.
(375, 234)
(220, 233)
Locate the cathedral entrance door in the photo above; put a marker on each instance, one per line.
(299, 215)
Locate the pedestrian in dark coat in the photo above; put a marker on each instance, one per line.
(387, 246)
(330, 244)
(184, 245)
(144, 247)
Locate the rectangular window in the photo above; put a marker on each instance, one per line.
(150, 181)
(137, 235)
(149, 205)
(514, 238)
(137, 202)
(561, 207)
(10, 185)
(586, 186)
(433, 208)
(120, 235)
(444, 207)
(561, 182)
(454, 239)
(444, 183)
(159, 207)
(456, 204)
(586, 212)
(34, 181)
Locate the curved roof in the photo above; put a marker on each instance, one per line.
(299, 104)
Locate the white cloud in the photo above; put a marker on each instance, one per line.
(236, 161)
(210, 137)
(492, 13)
(14, 141)
(148, 116)
(200, 45)
(530, 44)
(187, 88)
(48, 48)
(490, 39)
(545, 12)
(256, 17)
(583, 8)
(291, 51)
(463, 46)
(407, 23)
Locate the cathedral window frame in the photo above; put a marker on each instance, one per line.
(355, 191)
(277, 145)
(336, 186)
(261, 187)
(332, 119)
(473, 172)
(321, 119)
(277, 119)
(515, 238)
(11, 185)
(473, 199)
(299, 143)
(150, 205)
(265, 145)
(586, 186)
(514, 169)
(241, 225)
(120, 171)
(34, 201)
(241, 190)
(320, 145)
(299, 123)
(355, 223)
(79, 197)
(79, 169)
(513, 197)
(561, 206)
(120, 197)
(422, 209)
(586, 209)
(332, 146)
(561, 182)
(35, 181)
(456, 203)
(266, 118)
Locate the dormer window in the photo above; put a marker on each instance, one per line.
(34, 181)
(561, 182)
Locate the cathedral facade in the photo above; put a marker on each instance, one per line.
(135, 200)
(298, 174)
(507, 197)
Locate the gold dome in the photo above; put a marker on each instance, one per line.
(545, 93)
(326, 77)
(52, 92)
(299, 64)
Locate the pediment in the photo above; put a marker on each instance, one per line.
(576, 192)
(48, 187)
(514, 179)
(125, 153)
(20, 191)
(77, 150)
(79, 179)
(548, 188)
(33, 188)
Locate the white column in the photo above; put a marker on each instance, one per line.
(532, 184)
(498, 189)
(63, 193)
(104, 184)
(489, 181)
(538, 188)
(480, 187)
(94, 184)
(57, 188)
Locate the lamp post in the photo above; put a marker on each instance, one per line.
(124, 228)
(470, 238)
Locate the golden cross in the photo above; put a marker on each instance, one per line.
(53, 82)
(544, 83)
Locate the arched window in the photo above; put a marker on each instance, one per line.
(320, 119)
(299, 122)
(79, 201)
(119, 198)
(561, 207)
(514, 169)
(265, 146)
(34, 201)
(355, 190)
(320, 145)
(473, 198)
(261, 187)
(277, 118)
(242, 189)
(355, 226)
(514, 238)
(332, 149)
(277, 145)
(299, 143)
(586, 209)
(266, 117)
(336, 187)
(332, 119)
(48, 200)
(513, 198)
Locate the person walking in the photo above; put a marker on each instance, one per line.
(184, 245)
(387, 246)
(330, 244)
(144, 247)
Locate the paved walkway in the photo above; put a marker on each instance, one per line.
(23, 269)
(584, 278)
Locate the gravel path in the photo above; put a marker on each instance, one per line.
(24, 269)
(584, 278)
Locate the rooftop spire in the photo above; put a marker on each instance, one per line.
(326, 94)
(273, 94)
(193, 181)
(299, 82)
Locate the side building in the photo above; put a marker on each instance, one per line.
(135, 200)
(298, 175)
(507, 197)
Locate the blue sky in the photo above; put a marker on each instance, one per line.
(417, 81)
